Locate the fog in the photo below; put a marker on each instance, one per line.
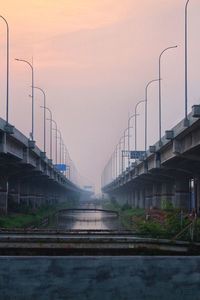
(93, 59)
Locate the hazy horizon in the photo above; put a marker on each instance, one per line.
(94, 59)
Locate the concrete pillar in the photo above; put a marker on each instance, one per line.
(182, 194)
(133, 198)
(167, 195)
(136, 200)
(3, 196)
(141, 199)
(148, 196)
(24, 194)
(157, 191)
(197, 194)
(32, 201)
(14, 192)
(129, 198)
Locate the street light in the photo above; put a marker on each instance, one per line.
(186, 122)
(160, 96)
(68, 166)
(56, 143)
(7, 72)
(51, 129)
(32, 72)
(110, 163)
(146, 95)
(120, 154)
(60, 145)
(136, 106)
(113, 165)
(123, 156)
(44, 95)
(116, 166)
(129, 121)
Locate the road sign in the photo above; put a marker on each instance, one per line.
(125, 153)
(88, 187)
(137, 154)
(61, 167)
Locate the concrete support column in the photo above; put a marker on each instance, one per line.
(14, 192)
(128, 197)
(135, 204)
(167, 196)
(148, 196)
(157, 191)
(32, 201)
(197, 194)
(132, 198)
(141, 200)
(24, 194)
(182, 194)
(3, 196)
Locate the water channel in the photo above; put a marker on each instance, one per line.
(83, 219)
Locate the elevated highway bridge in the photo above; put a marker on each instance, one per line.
(27, 176)
(168, 174)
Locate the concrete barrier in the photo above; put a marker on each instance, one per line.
(97, 278)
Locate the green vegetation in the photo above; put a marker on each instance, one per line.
(167, 226)
(154, 223)
(29, 218)
(126, 213)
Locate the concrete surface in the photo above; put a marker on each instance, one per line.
(100, 278)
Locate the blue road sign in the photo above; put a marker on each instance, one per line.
(88, 187)
(137, 154)
(61, 167)
(125, 153)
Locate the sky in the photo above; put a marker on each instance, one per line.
(93, 59)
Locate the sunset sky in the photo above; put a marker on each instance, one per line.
(93, 58)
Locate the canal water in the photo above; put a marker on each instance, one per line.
(83, 219)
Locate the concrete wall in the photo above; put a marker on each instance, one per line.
(97, 278)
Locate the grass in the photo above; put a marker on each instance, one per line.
(165, 224)
(126, 213)
(27, 219)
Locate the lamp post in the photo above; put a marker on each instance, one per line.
(44, 95)
(113, 165)
(186, 63)
(56, 140)
(110, 169)
(120, 155)
(160, 95)
(32, 73)
(66, 154)
(69, 166)
(60, 145)
(7, 71)
(146, 98)
(123, 156)
(129, 122)
(136, 106)
(116, 166)
(51, 128)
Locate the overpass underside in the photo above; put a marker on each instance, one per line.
(27, 177)
(168, 176)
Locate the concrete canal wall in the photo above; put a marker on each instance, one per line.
(97, 278)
